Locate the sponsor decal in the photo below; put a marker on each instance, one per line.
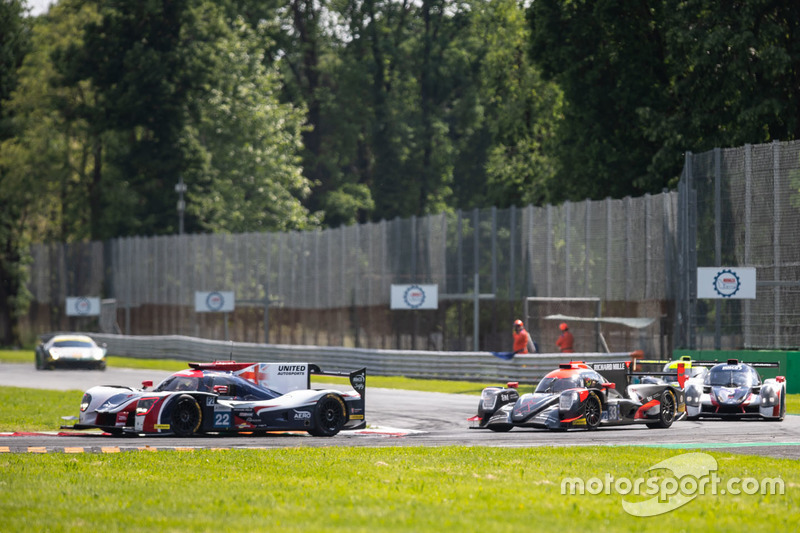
(302, 415)
(579, 422)
(358, 382)
(292, 370)
(600, 367)
(210, 400)
(161, 426)
(356, 417)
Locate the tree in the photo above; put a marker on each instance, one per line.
(248, 143)
(14, 195)
(608, 57)
(736, 72)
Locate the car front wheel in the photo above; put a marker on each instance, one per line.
(186, 416)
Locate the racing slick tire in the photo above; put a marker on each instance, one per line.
(782, 412)
(783, 405)
(329, 416)
(593, 411)
(186, 416)
(669, 410)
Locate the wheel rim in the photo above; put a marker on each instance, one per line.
(592, 413)
(331, 415)
(186, 418)
(668, 408)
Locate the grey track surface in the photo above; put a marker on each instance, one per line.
(439, 418)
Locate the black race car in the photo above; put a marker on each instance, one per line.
(581, 395)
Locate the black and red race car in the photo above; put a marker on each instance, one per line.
(582, 395)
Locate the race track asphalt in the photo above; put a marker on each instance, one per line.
(395, 418)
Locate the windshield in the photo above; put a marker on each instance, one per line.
(73, 344)
(553, 385)
(731, 376)
(239, 389)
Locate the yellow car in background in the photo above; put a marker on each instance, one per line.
(69, 350)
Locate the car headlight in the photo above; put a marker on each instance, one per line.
(567, 400)
(54, 354)
(87, 399)
(488, 401)
(98, 354)
(144, 405)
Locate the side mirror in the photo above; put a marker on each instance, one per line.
(512, 384)
(222, 390)
(609, 385)
(147, 384)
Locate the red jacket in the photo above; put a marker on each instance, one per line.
(565, 342)
(521, 341)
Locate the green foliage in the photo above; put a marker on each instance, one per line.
(15, 193)
(368, 489)
(247, 142)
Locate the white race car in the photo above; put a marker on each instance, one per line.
(735, 390)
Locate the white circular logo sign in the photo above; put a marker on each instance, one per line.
(726, 283)
(414, 296)
(215, 301)
(82, 306)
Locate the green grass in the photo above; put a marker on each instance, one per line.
(36, 409)
(368, 489)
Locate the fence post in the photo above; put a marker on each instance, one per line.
(748, 213)
(776, 237)
(717, 242)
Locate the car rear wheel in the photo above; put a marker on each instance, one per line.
(329, 416)
(186, 416)
(593, 412)
(668, 411)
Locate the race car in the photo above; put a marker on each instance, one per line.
(63, 350)
(227, 397)
(735, 390)
(579, 395)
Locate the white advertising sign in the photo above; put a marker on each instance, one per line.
(280, 377)
(83, 306)
(415, 297)
(214, 302)
(735, 283)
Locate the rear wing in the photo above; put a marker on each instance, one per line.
(622, 372)
(754, 364)
(283, 377)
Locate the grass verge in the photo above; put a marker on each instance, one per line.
(369, 489)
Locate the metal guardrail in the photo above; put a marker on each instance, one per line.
(461, 366)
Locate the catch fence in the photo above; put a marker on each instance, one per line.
(331, 287)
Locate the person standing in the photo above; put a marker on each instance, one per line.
(565, 342)
(522, 340)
